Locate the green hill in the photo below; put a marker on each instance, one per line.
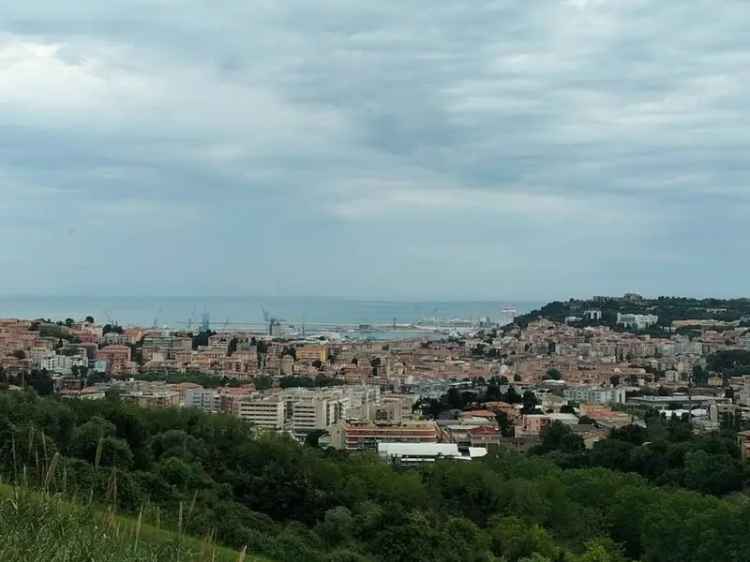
(38, 528)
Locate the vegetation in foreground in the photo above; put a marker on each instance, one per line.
(211, 475)
(37, 527)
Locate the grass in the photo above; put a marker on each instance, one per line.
(37, 527)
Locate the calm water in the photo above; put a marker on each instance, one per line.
(177, 312)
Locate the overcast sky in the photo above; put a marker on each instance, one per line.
(409, 149)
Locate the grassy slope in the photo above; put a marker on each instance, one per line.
(38, 528)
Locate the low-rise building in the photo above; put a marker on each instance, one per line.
(595, 394)
(532, 425)
(743, 442)
(637, 321)
(366, 435)
(412, 453)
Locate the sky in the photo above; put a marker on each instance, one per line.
(406, 149)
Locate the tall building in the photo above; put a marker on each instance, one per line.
(265, 413)
(205, 399)
(312, 352)
(117, 358)
(316, 413)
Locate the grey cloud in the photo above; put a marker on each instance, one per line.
(467, 140)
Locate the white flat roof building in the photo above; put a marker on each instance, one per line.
(427, 452)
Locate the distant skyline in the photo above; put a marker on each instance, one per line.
(411, 150)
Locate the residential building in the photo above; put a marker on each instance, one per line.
(117, 358)
(367, 435)
(743, 442)
(266, 413)
(637, 321)
(595, 394)
(63, 364)
(205, 399)
(532, 425)
(311, 352)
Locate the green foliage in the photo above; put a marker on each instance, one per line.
(40, 528)
(668, 309)
(559, 437)
(263, 382)
(602, 550)
(201, 339)
(211, 475)
(530, 403)
(731, 362)
(55, 331)
(515, 539)
(309, 382)
(204, 379)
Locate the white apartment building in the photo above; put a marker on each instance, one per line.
(265, 413)
(595, 394)
(63, 364)
(301, 410)
(311, 410)
(39, 354)
(205, 399)
(638, 321)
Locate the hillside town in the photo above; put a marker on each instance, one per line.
(497, 385)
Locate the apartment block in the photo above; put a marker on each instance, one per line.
(595, 394)
(360, 436)
(265, 413)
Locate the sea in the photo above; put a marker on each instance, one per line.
(239, 312)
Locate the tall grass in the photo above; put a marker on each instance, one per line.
(41, 520)
(39, 527)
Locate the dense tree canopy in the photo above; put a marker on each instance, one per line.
(303, 504)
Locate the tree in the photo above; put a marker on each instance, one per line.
(95, 442)
(337, 525)
(559, 437)
(554, 374)
(41, 382)
(312, 439)
(602, 549)
(201, 340)
(506, 428)
(375, 363)
(263, 382)
(700, 375)
(515, 539)
(512, 396)
(611, 453)
(712, 474)
(634, 434)
(530, 402)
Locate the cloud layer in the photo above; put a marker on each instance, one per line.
(411, 149)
